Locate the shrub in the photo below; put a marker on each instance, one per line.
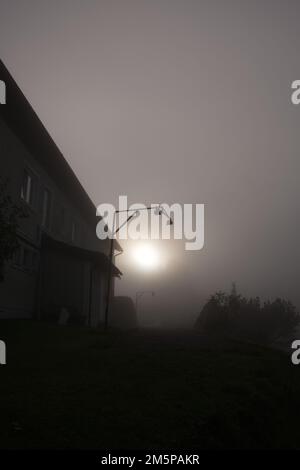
(242, 317)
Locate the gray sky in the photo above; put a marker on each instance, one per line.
(176, 101)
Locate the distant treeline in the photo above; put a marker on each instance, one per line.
(235, 315)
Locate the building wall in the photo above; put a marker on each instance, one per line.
(98, 293)
(18, 293)
(14, 160)
(72, 283)
(62, 285)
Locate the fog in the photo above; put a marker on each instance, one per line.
(176, 102)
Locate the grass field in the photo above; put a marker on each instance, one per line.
(67, 387)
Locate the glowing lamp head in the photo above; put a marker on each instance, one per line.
(146, 256)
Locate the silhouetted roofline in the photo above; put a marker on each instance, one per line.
(21, 118)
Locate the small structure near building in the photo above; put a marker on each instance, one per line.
(2, 92)
(2, 353)
(123, 313)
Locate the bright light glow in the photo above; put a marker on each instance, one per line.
(146, 256)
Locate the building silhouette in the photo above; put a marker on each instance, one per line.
(60, 264)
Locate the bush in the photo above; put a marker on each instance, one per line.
(249, 318)
(10, 213)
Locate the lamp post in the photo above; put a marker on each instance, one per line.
(134, 212)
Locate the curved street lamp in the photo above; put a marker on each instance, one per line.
(160, 211)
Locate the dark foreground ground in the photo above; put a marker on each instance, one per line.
(68, 387)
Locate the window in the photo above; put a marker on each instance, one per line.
(29, 187)
(62, 220)
(17, 256)
(46, 208)
(73, 232)
(26, 258)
